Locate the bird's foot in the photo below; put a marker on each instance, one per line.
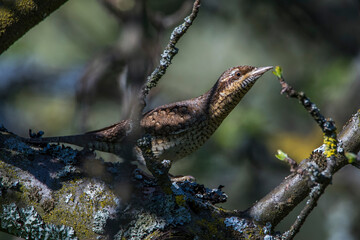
(180, 178)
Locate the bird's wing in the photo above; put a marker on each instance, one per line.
(173, 118)
(114, 133)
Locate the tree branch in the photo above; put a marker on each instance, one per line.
(66, 192)
(296, 187)
(322, 180)
(280, 201)
(169, 52)
(18, 17)
(63, 193)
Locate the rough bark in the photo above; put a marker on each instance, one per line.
(61, 193)
(296, 187)
(69, 194)
(19, 16)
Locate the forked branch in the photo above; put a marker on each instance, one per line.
(313, 175)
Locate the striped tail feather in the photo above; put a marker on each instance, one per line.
(106, 139)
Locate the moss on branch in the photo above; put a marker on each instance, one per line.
(19, 16)
(51, 189)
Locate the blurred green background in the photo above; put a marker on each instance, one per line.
(78, 70)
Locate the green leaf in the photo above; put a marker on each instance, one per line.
(278, 72)
(281, 155)
(351, 157)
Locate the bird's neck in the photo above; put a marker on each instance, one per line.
(219, 104)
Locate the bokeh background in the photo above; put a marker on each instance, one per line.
(79, 69)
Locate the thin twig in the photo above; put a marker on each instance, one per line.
(168, 54)
(285, 158)
(292, 163)
(280, 201)
(315, 194)
(325, 125)
(322, 180)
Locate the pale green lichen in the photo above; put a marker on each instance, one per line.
(144, 224)
(86, 207)
(25, 188)
(18, 146)
(86, 198)
(167, 208)
(268, 237)
(160, 211)
(7, 183)
(10, 181)
(28, 224)
(73, 215)
(100, 218)
(65, 154)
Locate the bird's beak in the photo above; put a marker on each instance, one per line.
(257, 72)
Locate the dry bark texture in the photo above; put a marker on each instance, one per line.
(58, 191)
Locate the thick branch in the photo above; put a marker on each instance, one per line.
(295, 188)
(350, 135)
(18, 17)
(62, 193)
(73, 189)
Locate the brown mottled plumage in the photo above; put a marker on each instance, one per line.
(176, 129)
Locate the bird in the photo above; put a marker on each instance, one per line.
(174, 130)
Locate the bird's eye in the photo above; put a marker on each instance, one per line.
(238, 74)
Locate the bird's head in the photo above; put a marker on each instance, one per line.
(239, 80)
(232, 85)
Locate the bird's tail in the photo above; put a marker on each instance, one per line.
(81, 140)
(106, 139)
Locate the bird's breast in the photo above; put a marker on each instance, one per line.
(175, 146)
